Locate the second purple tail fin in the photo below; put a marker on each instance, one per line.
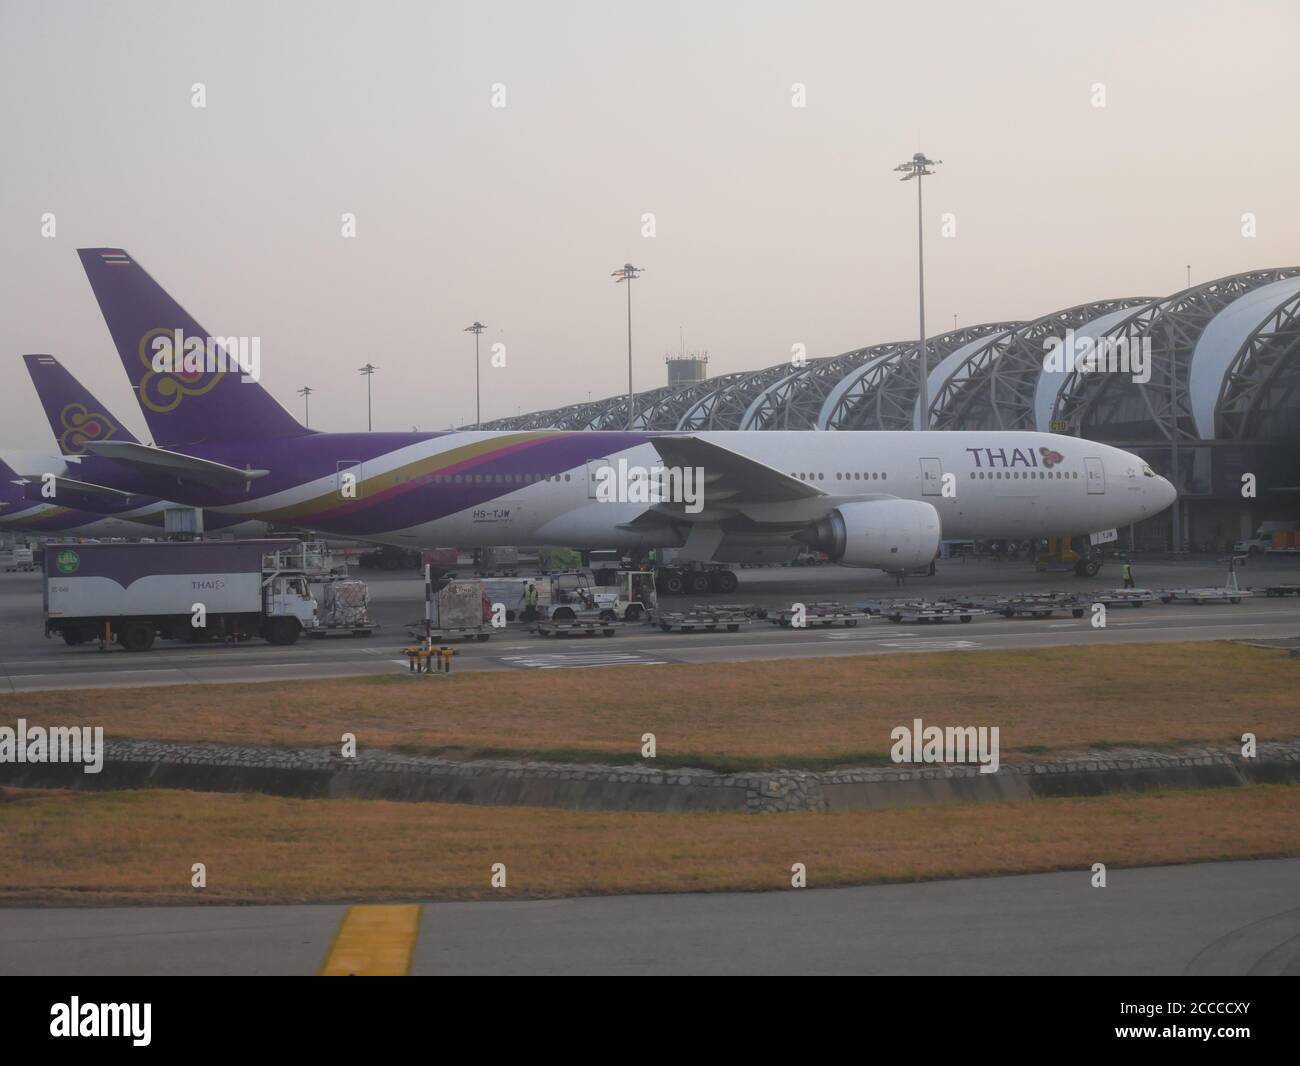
(193, 388)
(76, 418)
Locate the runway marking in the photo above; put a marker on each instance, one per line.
(571, 660)
(374, 940)
(933, 645)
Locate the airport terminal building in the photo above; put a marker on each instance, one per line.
(1203, 384)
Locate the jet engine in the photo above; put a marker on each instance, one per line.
(889, 534)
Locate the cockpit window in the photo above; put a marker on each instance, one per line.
(1147, 471)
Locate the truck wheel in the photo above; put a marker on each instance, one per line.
(138, 636)
(73, 637)
(699, 583)
(483, 637)
(282, 631)
(633, 613)
(725, 581)
(563, 614)
(608, 616)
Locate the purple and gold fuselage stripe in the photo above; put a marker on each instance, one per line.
(391, 485)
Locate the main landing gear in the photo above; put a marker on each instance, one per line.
(672, 581)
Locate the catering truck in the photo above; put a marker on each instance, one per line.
(181, 590)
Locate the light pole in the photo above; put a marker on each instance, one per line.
(477, 329)
(918, 167)
(628, 273)
(305, 392)
(368, 370)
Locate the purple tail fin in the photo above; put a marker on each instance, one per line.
(76, 417)
(192, 387)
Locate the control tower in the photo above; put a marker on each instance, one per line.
(687, 368)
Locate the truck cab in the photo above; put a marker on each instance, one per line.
(288, 606)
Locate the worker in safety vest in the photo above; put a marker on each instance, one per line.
(1128, 576)
(530, 602)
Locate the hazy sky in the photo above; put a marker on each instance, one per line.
(775, 225)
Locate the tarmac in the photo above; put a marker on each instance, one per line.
(29, 661)
(1229, 918)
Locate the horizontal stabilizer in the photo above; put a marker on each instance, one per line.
(70, 486)
(156, 461)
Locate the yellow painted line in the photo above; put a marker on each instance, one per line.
(374, 941)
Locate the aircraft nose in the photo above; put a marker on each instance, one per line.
(1165, 493)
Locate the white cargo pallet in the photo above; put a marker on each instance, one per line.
(938, 611)
(704, 619)
(1123, 597)
(822, 615)
(1206, 595)
(1044, 606)
(577, 627)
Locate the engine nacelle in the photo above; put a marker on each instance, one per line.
(889, 534)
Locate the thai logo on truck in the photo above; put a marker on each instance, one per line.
(67, 561)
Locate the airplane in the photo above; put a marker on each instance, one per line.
(866, 498)
(18, 514)
(76, 418)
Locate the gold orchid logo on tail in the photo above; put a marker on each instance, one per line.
(81, 426)
(175, 367)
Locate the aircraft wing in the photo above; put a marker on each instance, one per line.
(70, 486)
(157, 461)
(732, 479)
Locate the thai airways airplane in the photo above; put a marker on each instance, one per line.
(76, 418)
(20, 515)
(871, 499)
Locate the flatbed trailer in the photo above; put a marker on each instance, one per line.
(1040, 605)
(1205, 595)
(1273, 591)
(749, 610)
(573, 627)
(418, 631)
(824, 615)
(915, 612)
(1123, 597)
(700, 617)
(341, 631)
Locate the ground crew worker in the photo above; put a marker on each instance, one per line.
(530, 603)
(1128, 576)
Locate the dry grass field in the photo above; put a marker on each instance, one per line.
(805, 712)
(138, 847)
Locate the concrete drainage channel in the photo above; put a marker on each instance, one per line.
(391, 776)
